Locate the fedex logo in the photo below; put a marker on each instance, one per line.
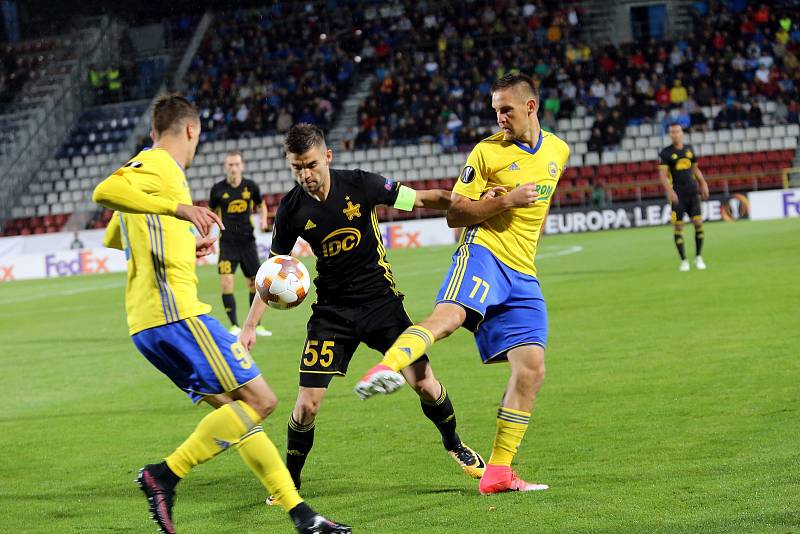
(6, 273)
(791, 205)
(83, 263)
(395, 237)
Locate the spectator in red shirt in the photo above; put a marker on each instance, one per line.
(762, 15)
(718, 41)
(606, 63)
(662, 96)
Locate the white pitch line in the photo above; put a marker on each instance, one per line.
(57, 293)
(565, 252)
(574, 249)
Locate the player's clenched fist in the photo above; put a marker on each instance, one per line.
(200, 216)
(522, 196)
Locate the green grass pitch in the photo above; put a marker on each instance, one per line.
(670, 403)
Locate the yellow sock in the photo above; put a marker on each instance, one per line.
(261, 456)
(511, 427)
(216, 432)
(412, 344)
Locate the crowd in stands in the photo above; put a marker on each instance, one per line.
(434, 83)
(438, 90)
(260, 70)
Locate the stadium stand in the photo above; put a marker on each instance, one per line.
(103, 129)
(260, 70)
(98, 141)
(436, 89)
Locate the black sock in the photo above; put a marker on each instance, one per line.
(229, 301)
(299, 441)
(698, 241)
(164, 474)
(442, 414)
(679, 244)
(300, 513)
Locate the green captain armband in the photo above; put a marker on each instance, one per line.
(405, 199)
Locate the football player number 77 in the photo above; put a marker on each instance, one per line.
(478, 283)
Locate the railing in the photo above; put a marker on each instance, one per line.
(719, 183)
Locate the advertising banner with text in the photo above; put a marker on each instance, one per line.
(775, 204)
(652, 213)
(54, 259)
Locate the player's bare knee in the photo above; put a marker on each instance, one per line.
(528, 379)
(427, 388)
(226, 283)
(307, 409)
(264, 404)
(445, 319)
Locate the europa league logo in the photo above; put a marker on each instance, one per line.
(737, 207)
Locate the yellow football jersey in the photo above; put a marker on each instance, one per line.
(160, 249)
(512, 236)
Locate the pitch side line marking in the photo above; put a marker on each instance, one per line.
(55, 292)
(565, 252)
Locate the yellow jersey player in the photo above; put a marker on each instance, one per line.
(501, 199)
(170, 326)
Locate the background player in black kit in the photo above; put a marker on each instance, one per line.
(357, 301)
(234, 199)
(680, 176)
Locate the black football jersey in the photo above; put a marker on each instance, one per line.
(234, 206)
(343, 233)
(679, 163)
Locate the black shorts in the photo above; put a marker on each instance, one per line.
(687, 203)
(335, 331)
(232, 254)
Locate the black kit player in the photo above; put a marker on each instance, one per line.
(234, 199)
(680, 176)
(357, 300)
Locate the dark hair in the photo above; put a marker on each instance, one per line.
(513, 80)
(302, 137)
(170, 111)
(675, 124)
(232, 153)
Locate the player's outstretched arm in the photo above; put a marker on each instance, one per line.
(117, 193)
(467, 212)
(701, 181)
(247, 337)
(204, 245)
(435, 199)
(201, 217)
(672, 196)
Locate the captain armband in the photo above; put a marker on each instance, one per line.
(406, 197)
